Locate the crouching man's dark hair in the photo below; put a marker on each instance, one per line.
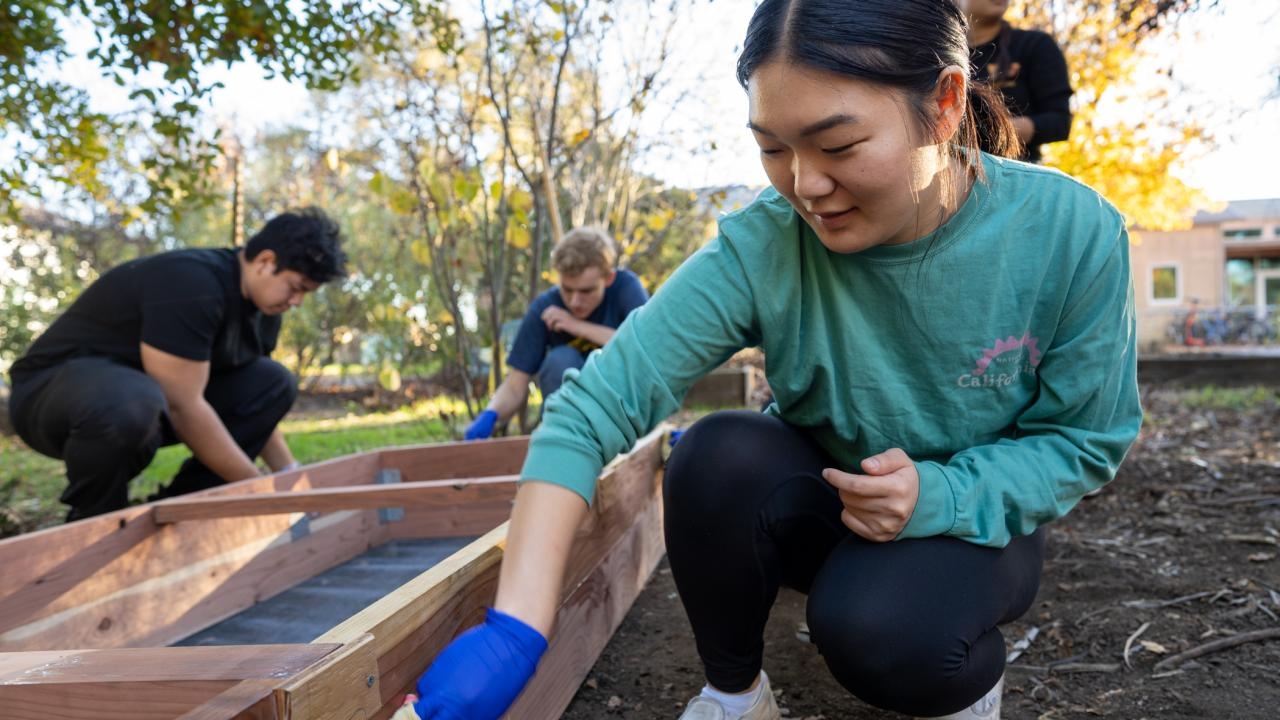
(306, 241)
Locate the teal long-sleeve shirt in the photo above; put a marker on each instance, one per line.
(998, 352)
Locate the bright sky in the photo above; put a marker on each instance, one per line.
(1236, 60)
(1233, 61)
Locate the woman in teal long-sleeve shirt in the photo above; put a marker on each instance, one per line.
(949, 338)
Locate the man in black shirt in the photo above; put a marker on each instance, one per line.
(1029, 70)
(173, 348)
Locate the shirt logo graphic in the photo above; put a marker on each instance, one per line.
(582, 345)
(1003, 363)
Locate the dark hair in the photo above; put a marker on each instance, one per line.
(306, 241)
(903, 44)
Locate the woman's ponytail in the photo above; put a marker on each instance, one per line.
(989, 124)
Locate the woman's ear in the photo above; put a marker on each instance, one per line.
(951, 97)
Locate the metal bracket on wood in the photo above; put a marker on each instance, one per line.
(300, 527)
(386, 476)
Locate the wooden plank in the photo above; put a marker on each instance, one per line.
(158, 683)
(108, 701)
(45, 567)
(723, 387)
(51, 556)
(48, 555)
(337, 472)
(445, 461)
(240, 562)
(232, 663)
(429, 493)
(57, 571)
(246, 700)
(343, 685)
(471, 519)
(1198, 369)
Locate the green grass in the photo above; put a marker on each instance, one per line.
(31, 483)
(1235, 398)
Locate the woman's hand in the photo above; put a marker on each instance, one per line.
(878, 505)
(481, 672)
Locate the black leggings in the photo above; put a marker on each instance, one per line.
(908, 626)
(107, 420)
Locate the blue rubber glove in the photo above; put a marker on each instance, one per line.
(482, 427)
(481, 672)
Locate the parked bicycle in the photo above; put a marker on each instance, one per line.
(1199, 327)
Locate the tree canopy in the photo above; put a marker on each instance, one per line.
(156, 50)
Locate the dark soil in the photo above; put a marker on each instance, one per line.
(1179, 552)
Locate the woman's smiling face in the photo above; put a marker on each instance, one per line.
(850, 156)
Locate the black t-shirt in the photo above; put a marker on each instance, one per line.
(185, 302)
(1034, 83)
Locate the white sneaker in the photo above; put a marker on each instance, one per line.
(704, 708)
(987, 707)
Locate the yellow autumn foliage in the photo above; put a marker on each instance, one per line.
(1128, 139)
(518, 236)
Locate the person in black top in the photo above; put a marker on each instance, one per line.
(173, 348)
(1029, 70)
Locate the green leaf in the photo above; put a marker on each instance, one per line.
(465, 188)
(402, 202)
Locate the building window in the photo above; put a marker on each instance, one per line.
(1242, 233)
(1165, 285)
(1240, 279)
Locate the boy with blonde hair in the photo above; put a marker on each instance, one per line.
(564, 324)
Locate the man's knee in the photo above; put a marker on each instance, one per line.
(265, 387)
(280, 388)
(288, 384)
(557, 360)
(138, 417)
(277, 379)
